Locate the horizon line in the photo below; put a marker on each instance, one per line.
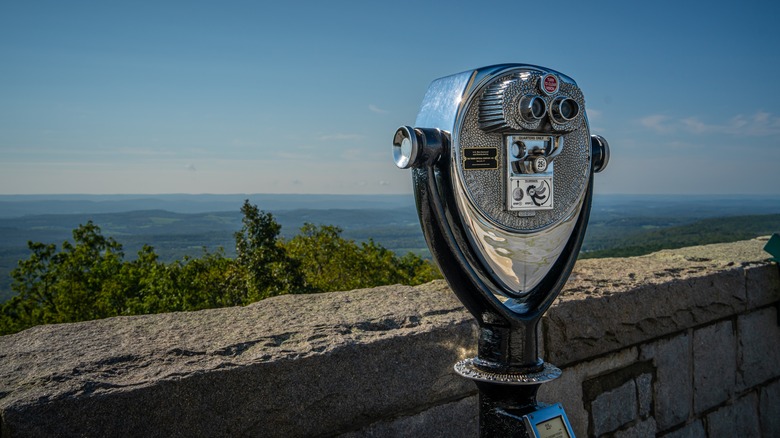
(351, 194)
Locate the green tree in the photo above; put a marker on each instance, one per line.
(145, 282)
(33, 281)
(330, 262)
(87, 274)
(75, 284)
(206, 282)
(262, 259)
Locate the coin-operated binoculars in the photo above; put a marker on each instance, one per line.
(502, 164)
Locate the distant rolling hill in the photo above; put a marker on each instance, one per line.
(174, 235)
(705, 231)
(24, 205)
(620, 225)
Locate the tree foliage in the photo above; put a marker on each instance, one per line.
(329, 262)
(266, 267)
(90, 278)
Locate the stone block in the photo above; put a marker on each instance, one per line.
(575, 330)
(738, 419)
(626, 301)
(644, 388)
(769, 410)
(567, 389)
(714, 365)
(759, 347)
(613, 409)
(458, 419)
(692, 430)
(615, 398)
(642, 429)
(673, 379)
(763, 285)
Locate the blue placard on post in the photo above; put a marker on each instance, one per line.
(549, 422)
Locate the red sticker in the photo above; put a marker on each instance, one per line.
(549, 84)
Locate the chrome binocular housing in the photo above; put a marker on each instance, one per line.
(503, 161)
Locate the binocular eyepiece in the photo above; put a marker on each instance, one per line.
(564, 109)
(510, 155)
(532, 108)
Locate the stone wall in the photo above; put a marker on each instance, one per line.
(678, 343)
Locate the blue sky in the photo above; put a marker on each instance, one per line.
(304, 97)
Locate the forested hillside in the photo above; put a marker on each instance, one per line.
(89, 277)
(613, 243)
(177, 235)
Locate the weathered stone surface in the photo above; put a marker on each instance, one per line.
(763, 285)
(693, 430)
(567, 389)
(456, 419)
(287, 366)
(738, 419)
(639, 315)
(769, 410)
(609, 299)
(642, 429)
(674, 382)
(364, 361)
(613, 409)
(759, 347)
(644, 389)
(714, 365)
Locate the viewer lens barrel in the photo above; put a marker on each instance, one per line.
(564, 109)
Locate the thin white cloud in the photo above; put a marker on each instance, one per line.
(760, 124)
(658, 123)
(375, 109)
(696, 126)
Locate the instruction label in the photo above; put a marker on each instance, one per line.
(480, 158)
(529, 193)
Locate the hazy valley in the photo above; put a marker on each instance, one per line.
(179, 225)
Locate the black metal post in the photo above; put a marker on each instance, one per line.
(501, 408)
